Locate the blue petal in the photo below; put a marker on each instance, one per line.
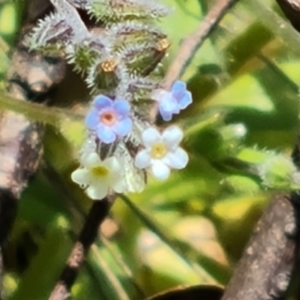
(105, 134)
(122, 107)
(185, 100)
(179, 91)
(101, 102)
(92, 119)
(123, 127)
(178, 87)
(168, 103)
(166, 115)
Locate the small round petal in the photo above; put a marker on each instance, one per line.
(97, 192)
(122, 107)
(101, 102)
(150, 136)
(168, 103)
(168, 106)
(178, 87)
(106, 134)
(142, 159)
(119, 186)
(167, 116)
(185, 100)
(113, 165)
(160, 170)
(92, 119)
(81, 177)
(172, 136)
(123, 127)
(91, 160)
(177, 159)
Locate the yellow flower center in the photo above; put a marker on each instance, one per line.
(158, 150)
(108, 118)
(108, 65)
(100, 171)
(163, 45)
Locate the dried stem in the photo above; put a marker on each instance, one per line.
(266, 267)
(194, 41)
(87, 236)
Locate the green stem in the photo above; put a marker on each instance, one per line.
(38, 112)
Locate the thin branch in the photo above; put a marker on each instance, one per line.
(87, 236)
(37, 111)
(193, 42)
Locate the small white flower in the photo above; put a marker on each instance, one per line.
(99, 176)
(162, 151)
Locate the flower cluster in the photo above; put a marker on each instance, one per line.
(112, 123)
(119, 58)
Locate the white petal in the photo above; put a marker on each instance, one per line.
(97, 192)
(150, 136)
(81, 176)
(90, 160)
(142, 159)
(172, 136)
(113, 165)
(119, 186)
(177, 159)
(160, 170)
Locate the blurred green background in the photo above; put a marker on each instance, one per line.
(192, 228)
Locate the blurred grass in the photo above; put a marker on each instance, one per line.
(191, 228)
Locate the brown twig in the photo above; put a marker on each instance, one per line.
(266, 267)
(193, 42)
(87, 236)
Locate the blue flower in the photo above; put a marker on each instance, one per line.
(171, 102)
(109, 119)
